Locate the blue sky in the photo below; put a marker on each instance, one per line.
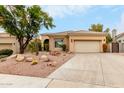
(72, 17)
(81, 17)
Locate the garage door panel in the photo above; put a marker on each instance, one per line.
(6, 46)
(87, 46)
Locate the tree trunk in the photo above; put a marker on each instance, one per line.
(23, 45)
(21, 50)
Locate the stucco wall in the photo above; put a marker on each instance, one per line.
(69, 41)
(10, 42)
(121, 38)
(52, 42)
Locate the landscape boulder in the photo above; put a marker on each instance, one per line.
(55, 53)
(3, 59)
(52, 64)
(28, 59)
(20, 58)
(34, 62)
(64, 54)
(12, 56)
(44, 58)
(69, 52)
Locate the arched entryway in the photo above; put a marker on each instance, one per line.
(46, 44)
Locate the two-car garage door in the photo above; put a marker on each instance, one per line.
(6, 46)
(87, 46)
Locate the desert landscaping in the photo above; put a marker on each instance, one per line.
(31, 65)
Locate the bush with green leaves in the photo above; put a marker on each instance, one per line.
(7, 52)
(3, 56)
(32, 47)
(35, 46)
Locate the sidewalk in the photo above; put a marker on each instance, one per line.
(15, 81)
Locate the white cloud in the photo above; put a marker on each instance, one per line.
(113, 8)
(120, 25)
(62, 11)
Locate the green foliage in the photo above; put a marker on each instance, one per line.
(96, 27)
(7, 52)
(39, 44)
(24, 22)
(33, 46)
(3, 56)
(108, 37)
(99, 28)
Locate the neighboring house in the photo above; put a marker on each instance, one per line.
(8, 42)
(120, 39)
(75, 41)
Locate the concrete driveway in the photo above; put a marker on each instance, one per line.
(90, 70)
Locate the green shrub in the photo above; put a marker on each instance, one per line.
(64, 47)
(3, 56)
(34, 46)
(7, 52)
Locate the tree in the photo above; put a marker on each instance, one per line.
(99, 28)
(24, 22)
(108, 37)
(96, 28)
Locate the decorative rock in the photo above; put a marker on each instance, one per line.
(29, 59)
(44, 58)
(55, 53)
(20, 58)
(3, 59)
(12, 56)
(52, 64)
(47, 53)
(34, 62)
(69, 52)
(64, 54)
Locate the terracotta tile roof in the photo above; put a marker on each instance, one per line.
(71, 32)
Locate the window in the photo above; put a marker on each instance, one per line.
(58, 43)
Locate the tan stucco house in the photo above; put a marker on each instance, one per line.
(8, 42)
(75, 41)
(120, 39)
